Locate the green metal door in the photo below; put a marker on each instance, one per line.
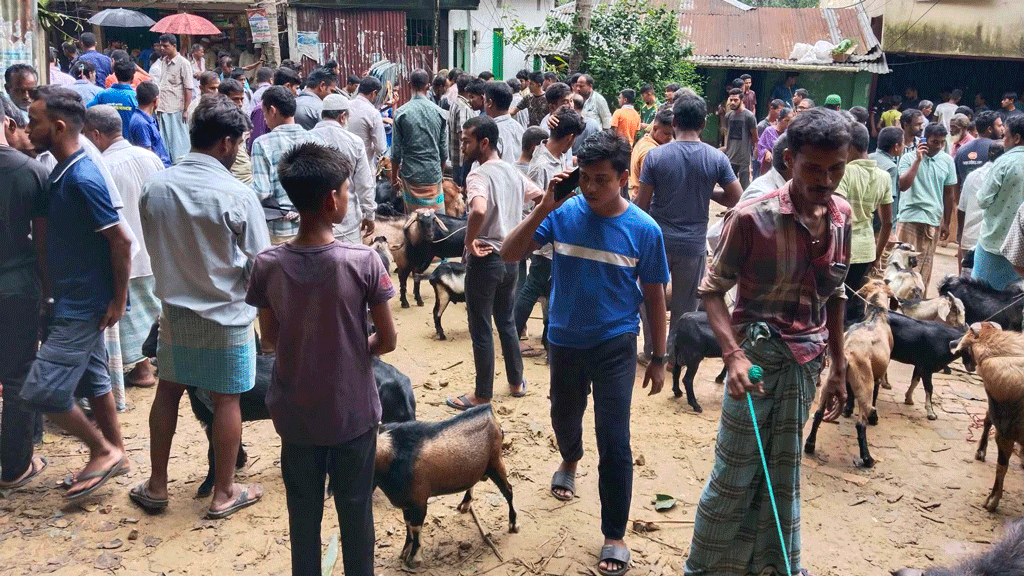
(498, 54)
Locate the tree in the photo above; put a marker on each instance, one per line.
(584, 9)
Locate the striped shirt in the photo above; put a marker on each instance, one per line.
(267, 151)
(767, 253)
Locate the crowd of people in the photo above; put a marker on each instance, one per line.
(189, 202)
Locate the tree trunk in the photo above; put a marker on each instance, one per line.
(583, 11)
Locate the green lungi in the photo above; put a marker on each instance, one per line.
(734, 532)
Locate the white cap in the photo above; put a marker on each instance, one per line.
(335, 103)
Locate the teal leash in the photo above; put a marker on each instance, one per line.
(755, 375)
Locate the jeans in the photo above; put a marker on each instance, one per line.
(490, 292)
(536, 285)
(743, 173)
(19, 321)
(610, 367)
(350, 465)
(687, 274)
(854, 280)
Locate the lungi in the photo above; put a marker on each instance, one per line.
(922, 236)
(194, 351)
(175, 134)
(734, 532)
(115, 364)
(137, 322)
(420, 196)
(993, 268)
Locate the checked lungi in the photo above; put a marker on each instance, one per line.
(734, 532)
(194, 351)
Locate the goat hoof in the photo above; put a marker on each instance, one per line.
(809, 448)
(932, 416)
(908, 401)
(513, 529)
(886, 386)
(463, 507)
(947, 371)
(204, 491)
(873, 419)
(719, 380)
(980, 456)
(696, 407)
(992, 502)
(405, 304)
(441, 336)
(868, 462)
(678, 393)
(847, 413)
(419, 302)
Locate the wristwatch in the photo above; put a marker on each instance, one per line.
(657, 359)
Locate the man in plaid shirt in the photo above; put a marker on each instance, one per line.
(267, 151)
(788, 252)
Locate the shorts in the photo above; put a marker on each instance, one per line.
(71, 363)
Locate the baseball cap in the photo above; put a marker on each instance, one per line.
(335, 103)
(833, 100)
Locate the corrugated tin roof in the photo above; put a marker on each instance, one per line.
(724, 34)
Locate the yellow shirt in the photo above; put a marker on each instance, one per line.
(636, 162)
(866, 187)
(891, 118)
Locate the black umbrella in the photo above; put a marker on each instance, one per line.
(121, 18)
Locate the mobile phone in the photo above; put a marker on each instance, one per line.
(567, 186)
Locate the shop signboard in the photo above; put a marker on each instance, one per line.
(259, 25)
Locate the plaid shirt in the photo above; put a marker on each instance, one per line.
(267, 151)
(458, 113)
(767, 252)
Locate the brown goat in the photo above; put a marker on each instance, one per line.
(454, 201)
(998, 356)
(418, 460)
(867, 349)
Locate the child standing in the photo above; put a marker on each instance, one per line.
(593, 325)
(313, 293)
(533, 136)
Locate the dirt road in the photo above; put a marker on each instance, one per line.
(920, 503)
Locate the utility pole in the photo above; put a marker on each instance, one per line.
(584, 8)
(437, 34)
(272, 51)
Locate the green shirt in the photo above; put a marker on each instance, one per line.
(647, 114)
(418, 146)
(1000, 197)
(866, 187)
(923, 201)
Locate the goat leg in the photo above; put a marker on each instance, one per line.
(1005, 446)
(866, 461)
(908, 398)
(927, 380)
(720, 379)
(676, 370)
(403, 276)
(466, 501)
(850, 399)
(416, 291)
(414, 517)
(691, 398)
(983, 442)
(813, 436)
(496, 472)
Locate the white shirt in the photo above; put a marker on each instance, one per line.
(944, 113)
(131, 166)
(156, 71)
(974, 216)
(365, 122)
(362, 201)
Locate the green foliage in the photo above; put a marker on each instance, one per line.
(630, 43)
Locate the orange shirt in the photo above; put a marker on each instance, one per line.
(139, 77)
(626, 121)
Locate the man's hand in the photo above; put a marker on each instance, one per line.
(944, 231)
(922, 150)
(114, 313)
(739, 382)
(767, 158)
(367, 227)
(547, 202)
(552, 122)
(655, 375)
(833, 395)
(479, 248)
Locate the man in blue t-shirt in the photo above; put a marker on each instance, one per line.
(120, 95)
(593, 324)
(101, 61)
(88, 256)
(143, 128)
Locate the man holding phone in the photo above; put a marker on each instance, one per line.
(496, 192)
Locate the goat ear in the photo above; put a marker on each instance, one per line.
(975, 328)
(944, 308)
(953, 345)
(995, 326)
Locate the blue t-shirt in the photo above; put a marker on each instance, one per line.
(144, 131)
(683, 175)
(596, 264)
(78, 255)
(103, 65)
(122, 98)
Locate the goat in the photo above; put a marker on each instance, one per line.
(694, 342)
(906, 282)
(867, 349)
(946, 308)
(418, 460)
(998, 356)
(449, 282)
(383, 249)
(982, 302)
(427, 235)
(1005, 558)
(454, 200)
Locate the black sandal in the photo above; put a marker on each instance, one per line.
(563, 481)
(618, 554)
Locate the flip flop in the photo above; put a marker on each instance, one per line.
(563, 481)
(243, 501)
(69, 479)
(461, 403)
(28, 477)
(145, 501)
(103, 475)
(616, 554)
(521, 393)
(530, 352)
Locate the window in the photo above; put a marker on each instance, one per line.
(459, 49)
(419, 32)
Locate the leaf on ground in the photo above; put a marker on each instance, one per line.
(112, 545)
(664, 502)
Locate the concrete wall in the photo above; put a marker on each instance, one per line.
(986, 28)
(490, 15)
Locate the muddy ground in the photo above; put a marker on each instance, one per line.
(921, 503)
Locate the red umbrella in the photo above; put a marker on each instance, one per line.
(184, 23)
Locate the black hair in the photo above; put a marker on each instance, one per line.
(223, 58)
(81, 69)
(605, 145)
(321, 76)
(369, 85)
(453, 74)
(569, 122)
(523, 74)
(984, 120)
(647, 88)
(229, 86)
(309, 173)
(536, 77)
(285, 76)
(264, 74)
(196, 48)
(207, 77)
(486, 76)
(587, 78)
(908, 116)
(124, 70)
(15, 70)
(995, 150)
(573, 78)
(69, 47)
(514, 84)
(935, 129)
(419, 79)
(1015, 125)
(1009, 96)
(801, 92)
(779, 153)
(784, 113)
(966, 111)
(689, 112)
(629, 95)
(895, 100)
(776, 104)
(53, 54)
(483, 127)
(147, 92)
(737, 84)
(153, 57)
(672, 87)
(12, 112)
(62, 103)
(461, 81)
(290, 64)
(214, 118)
(438, 82)
(860, 113)
(116, 55)
(664, 117)
(88, 39)
(533, 136)
(475, 86)
(578, 102)
(353, 79)
(735, 92)
(551, 76)
(557, 92)
(169, 39)
(499, 93)
(859, 137)
(889, 136)
(281, 98)
(745, 77)
(819, 128)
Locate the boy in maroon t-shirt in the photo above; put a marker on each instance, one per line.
(313, 293)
